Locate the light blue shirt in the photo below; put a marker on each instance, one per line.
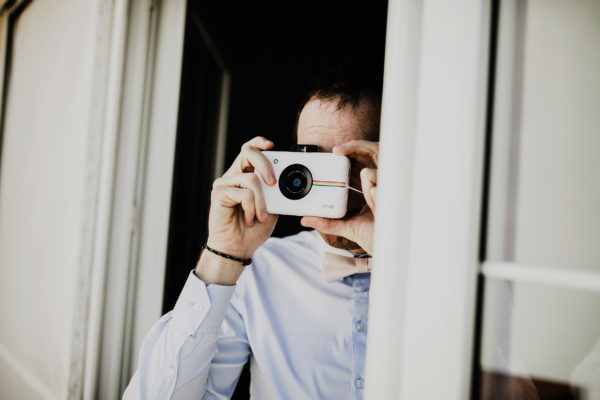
(305, 337)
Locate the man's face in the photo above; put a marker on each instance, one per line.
(321, 123)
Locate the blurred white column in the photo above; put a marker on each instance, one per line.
(430, 177)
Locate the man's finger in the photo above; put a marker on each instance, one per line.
(243, 164)
(252, 158)
(374, 196)
(359, 148)
(368, 182)
(326, 225)
(230, 196)
(259, 142)
(249, 180)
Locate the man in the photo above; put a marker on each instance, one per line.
(303, 327)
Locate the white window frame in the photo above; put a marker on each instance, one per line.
(138, 75)
(141, 59)
(506, 141)
(423, 293)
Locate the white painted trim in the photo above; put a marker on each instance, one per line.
(111, 282)
(24, 372)
(158, 174)
(137, 108)
(142, 57)
(506, 133)
(128, 291)
(133, 131)
(421, 312)
(100, 169)
(395, 175)
(115, 25)
(568, 278)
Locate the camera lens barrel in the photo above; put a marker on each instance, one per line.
(295, 181)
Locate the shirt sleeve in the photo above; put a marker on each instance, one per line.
(197, 350)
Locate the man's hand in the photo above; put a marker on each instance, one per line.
(238, 222)
(358, 228)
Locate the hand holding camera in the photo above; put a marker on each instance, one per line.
(238, 221)
(358, 225)
(261, 184)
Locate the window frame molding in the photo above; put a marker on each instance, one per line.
(423, 293)
(133, 125)
(571, 278)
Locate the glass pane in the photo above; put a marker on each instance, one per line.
(540, 342)
(545, 174)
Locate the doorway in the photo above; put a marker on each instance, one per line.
(245, 67)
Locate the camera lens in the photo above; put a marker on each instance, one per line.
(295, 181)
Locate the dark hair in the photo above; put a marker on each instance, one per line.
(347, 86)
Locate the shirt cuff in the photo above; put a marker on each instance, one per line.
(201, 308)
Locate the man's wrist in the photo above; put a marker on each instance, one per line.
(214, 269)
(244, 261)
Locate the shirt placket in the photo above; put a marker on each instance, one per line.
(359, 333)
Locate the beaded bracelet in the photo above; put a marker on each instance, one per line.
(244, 261)
(363, 255)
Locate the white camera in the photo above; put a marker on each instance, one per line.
(314, 184)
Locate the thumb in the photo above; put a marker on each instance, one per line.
(329, 226)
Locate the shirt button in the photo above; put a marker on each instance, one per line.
(359, 383)
(197, 307)
(360, 288)
(359, 326)
(170, 372)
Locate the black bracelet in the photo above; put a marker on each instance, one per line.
(244, 261)
(363, 255)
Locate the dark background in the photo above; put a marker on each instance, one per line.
(271, 49)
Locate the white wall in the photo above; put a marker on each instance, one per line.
(43, 176)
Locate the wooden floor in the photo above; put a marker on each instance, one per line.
(499, 386)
